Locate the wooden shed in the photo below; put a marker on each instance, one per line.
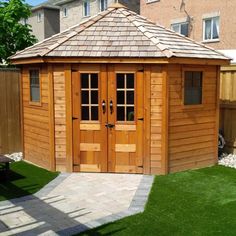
(118, 93)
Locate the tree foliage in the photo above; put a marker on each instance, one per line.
(14, 35)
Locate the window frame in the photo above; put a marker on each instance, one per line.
(180, 24)
(35, 103)
(64, 10)
(89, 8)
(204, 29)
(100, 5)
(193, 69)
(39, 16)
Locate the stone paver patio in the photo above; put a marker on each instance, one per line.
(75, 202)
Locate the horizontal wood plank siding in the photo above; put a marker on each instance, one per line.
(60, 117)
(36, 121)
(192, 131)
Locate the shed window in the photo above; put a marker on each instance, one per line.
(192, 87)
(34, 86)
(86, 8)
(181, 28)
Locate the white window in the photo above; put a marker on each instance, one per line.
(65, 12)
(181, 28)
(211, 29)
(39, 17)
(103, 5)
(86, 8)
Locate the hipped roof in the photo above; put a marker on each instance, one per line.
(119, 32)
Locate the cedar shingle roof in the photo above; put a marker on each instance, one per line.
(118, 32)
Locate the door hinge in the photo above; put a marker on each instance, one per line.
(75, 118)
(140, 166)
(142, 70)
(76, 164)
(142, 119)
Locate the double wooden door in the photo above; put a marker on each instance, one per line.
(107, 118)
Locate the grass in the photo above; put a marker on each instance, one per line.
(24, 179)
(199, 202)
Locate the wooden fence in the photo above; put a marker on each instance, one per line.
(228, 106)
(10, 131)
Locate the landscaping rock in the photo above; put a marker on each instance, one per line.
(228, 160)
(16, 156)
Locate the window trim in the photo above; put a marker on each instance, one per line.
(192, 106)
(88, 1)
(34, 103)
(204, 28)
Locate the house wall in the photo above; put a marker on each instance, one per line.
(35, 119)
(37, 27)
(166, 12)
(193, 132)
(51, 22)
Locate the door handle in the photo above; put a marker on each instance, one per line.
(109, 125)
(111, 106)
(103, 106)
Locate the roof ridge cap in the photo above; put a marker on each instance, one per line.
(165, 50)
(73, 33)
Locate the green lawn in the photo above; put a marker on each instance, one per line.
(199, 202)
(24, 179)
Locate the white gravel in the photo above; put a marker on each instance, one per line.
(17, 156)
(228, 160)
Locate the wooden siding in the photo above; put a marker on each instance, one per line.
(228, 106)
(36, 121)
(10, 133)
(193, 131)
(60, 117)
(156, 152)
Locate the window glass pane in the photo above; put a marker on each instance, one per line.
(84, 80)
(215, 28)
(130, 97)
(120, 80)
(85, 97)
(130, 80)
(193, 88)
(130, 113)
(207, 29)
(34, 86)
(94, 113)
(94, 97)
(120, 97)
(176, 28)
(94, 80)
(120, 113)
(184, 29)
(85, 113)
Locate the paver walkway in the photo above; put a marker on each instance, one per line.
(75, 202)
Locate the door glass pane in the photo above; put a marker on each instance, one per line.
(85, 97)
(130, 113)
(94, 113)
(85, 113)
(130, 97)
(130, 81)
(94, 97)
(94, 80)
(120, 113)
(120, 80)
(120, 97)
(84, 80)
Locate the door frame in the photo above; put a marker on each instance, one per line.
(109, 68)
